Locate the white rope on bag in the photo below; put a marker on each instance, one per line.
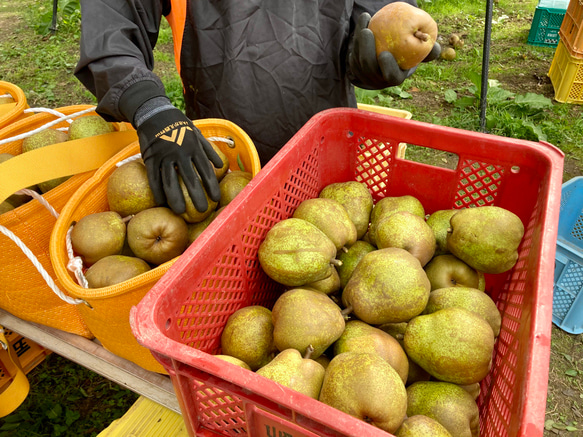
(47, 125)
(39, 267)
(229, 141)
(75, 263)
(129, 159)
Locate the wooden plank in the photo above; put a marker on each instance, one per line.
(91, 355)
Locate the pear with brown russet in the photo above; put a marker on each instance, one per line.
(114, 269)
(98, 235)
(406, 31)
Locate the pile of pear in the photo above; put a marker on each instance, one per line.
(82, 127)
(133, 235)
(383, 313)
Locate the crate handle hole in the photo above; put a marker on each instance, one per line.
(515, 169)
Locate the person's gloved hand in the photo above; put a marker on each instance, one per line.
(369, 72)
(171, 146)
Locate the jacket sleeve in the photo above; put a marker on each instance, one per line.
(116, 49)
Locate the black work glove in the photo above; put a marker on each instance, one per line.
(368, 71)
(171, 146)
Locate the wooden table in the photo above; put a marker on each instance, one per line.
(93, 356)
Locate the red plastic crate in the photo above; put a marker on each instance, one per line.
(571, 30)
(182, 317)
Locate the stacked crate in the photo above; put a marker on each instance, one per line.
(566, 72)
(546, 23)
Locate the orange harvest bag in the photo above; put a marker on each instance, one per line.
(10, 112)
(108, 309)
(24, 291)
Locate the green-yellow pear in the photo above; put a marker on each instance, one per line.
(128, 189)
(330, 217)
(295, 252)
(449, 404)
(471, 299)
(233, 360)
(421, 426)
(365, 386)
(453, 345)
(438, 221)
(407, 231)
(303, 319)
(486, 238)
(362, 337)
(388, 285)
(350, 258)
(88, 126)
(389, 205)
(356, 198)
(292, 370)
(232, 184)
(248, 336)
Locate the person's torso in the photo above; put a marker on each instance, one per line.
(266, 65)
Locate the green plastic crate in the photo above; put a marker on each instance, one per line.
(544, 30)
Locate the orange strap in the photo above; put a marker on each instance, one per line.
(176, 19)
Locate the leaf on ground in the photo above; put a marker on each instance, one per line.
(571, 372)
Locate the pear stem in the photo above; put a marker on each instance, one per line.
(309, 351)
(421, 35)
(336, 262)
(346, 311)
(127, 218)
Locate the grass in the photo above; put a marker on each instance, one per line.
(69, 400)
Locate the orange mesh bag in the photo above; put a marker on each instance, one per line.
(11, 111)
(107, 312)
(29, 288)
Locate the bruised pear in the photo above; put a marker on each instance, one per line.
(295, 252)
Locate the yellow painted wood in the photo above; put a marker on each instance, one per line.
(146, 418)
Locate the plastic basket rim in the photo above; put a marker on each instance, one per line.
(147, 331)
